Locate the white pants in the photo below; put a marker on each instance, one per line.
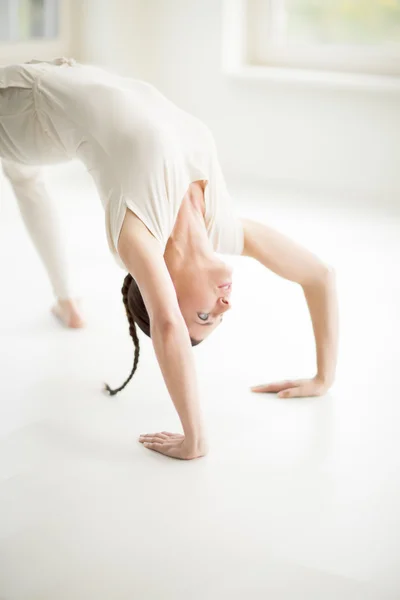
(41, 220)
(36, 207)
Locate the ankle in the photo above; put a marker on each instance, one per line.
(68, 301)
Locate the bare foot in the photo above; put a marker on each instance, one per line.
(69, 313)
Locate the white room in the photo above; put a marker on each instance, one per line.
(292, 496)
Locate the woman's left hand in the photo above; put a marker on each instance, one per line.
(294, 388)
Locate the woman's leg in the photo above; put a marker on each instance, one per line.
(42, 223)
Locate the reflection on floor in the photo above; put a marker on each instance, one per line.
(297, 498)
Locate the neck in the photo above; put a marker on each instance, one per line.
(188, 241)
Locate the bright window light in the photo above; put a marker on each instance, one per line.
(22, 20)
(344, 35)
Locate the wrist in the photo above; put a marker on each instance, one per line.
(194, 448)
(194, 430)
(195, 441)
(324, 379)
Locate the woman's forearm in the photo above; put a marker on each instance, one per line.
(322, 302)
(174, 354)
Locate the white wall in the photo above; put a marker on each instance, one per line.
(310, 138)
(114, 34)
(288, 135)
(316, 138)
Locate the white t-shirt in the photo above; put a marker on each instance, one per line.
(141, 149)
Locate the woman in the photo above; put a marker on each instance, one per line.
(167, 212)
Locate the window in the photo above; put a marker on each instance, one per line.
(355, 36)
(40, 29)
(22, 20)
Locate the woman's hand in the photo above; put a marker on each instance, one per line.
(174, 445)
(295, 388)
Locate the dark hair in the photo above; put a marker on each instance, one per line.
(136, 312)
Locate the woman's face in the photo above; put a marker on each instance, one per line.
(204, 297)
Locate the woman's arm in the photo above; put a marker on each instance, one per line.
(292, 261)
(142, 255)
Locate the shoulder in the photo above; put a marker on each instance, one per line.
(135, 234)
(143, 257)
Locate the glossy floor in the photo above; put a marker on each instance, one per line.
(297, 498)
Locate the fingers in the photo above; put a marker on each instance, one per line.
(153, 437)
(153, 446)
(296, 392)
(171, 444)
(164, 436)
(167, 448)
(154, 442)
(274, 387)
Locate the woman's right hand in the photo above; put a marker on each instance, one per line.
(174, 445)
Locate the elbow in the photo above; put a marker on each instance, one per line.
(324, 275)
(329, 272)
(167, 333)
(164, 324)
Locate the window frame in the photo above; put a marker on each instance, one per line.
(267, 16)
(243, 26)
(65, 44)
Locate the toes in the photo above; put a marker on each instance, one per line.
(70, 319)
(76, 322)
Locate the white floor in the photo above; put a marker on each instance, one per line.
(298, 499)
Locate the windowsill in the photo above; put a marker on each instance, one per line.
(348, 81)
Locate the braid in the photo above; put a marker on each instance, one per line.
(132, 330)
